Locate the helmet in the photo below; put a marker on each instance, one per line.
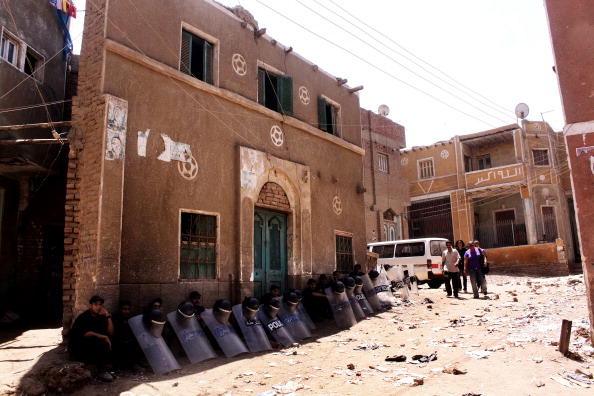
(186, 309)
(250, 303)
(338, 287)
(373, 274)
(298, 294)
(157, 316)
(222, 305)
(349, 282)
(358, 280)
(274, 302)
(291, 298)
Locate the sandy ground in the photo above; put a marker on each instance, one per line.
(515, 340)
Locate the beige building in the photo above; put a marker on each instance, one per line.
(506, 187)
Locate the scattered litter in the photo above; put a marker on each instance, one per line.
(289, 387)
(396, 358)
(537, 359)
(351, 366)
(247, 374)
(416, 359)
(583, 372)
(536, 382)
(495, 348)
(428, 301)
(479, 354)
(453, 369)
(365, 347)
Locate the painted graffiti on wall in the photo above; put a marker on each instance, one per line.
(142, 141)
(117, 118)
(175, 150)
(252, 165)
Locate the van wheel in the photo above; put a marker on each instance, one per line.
(435, 283)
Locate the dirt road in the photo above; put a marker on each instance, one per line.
(502, 346)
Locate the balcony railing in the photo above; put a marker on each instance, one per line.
(493, 176)
(496, 234)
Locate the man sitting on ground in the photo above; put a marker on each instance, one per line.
(89, 337)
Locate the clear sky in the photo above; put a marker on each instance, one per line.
(399, 51)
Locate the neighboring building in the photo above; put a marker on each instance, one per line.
(33, 163)
(386, 191)
(571, 27)
(505, 187)
(206, 155)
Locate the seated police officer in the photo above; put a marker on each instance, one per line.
(89, 337)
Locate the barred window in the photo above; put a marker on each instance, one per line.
(344, 253)
(541, 157)
(198, 248)
(426, 169)
(383, 163)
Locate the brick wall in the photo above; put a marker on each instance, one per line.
(273, 195)
(536, 260)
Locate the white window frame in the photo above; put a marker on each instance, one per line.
(338, 109)
(548, 156)
(216, 44)
(419, 162)
(7, 38)
(383, 166)
(217, 249)
(20, 56)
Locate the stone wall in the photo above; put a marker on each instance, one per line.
(536, 260)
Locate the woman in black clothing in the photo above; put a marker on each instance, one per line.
(461, 250)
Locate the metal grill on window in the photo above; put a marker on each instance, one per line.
(198, 246)
(426, 169)
(344, 253)
(383, 163)
(541, 157)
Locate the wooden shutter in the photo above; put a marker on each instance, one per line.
(186, 53)
(208, 63)
(322, 114)
(261, 85)
(285, 94)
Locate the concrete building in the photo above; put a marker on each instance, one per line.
(506, 187)
(386, 191)
(205, 156)
(33, 160)
(571, 28)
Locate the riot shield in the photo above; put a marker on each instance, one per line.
(153, 345)
(412, 279)
(360, 296)
(226, 337)
(369, 291)
(252, 329)
(341, 307)
(305, 317)
(396, 275)
(275, 326)
(191, 336)
(293, 321)
(355, 306)
(382, 289)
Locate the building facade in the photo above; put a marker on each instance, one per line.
(33, 160)
(571, 34)
(205, 156)
(386, 190)
(505, 187)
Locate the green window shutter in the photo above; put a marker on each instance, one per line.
(261, 85)
(322, 114)
(208, 63)
(186, 53)
(285, 94)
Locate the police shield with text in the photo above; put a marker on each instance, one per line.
(341, 307)
(396, 276)
(350, 285)
(268, 315)
(369, 291)
(291, 318)
(303, 313)
(360, 296)
(382, 288)
(217, 320)
(147, 330)
(253, 332)
(190, 334)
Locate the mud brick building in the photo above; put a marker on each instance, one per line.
(507, 187)
(386, 190)
(33, 160)
(571, 28)
(205, 155)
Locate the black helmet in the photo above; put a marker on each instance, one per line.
(222, 305)
(274, 302)
(158, 316)
(186, 309)
(358, 281)
(338, 287)
(290, 298)
(250, 303)
(298, 294)
(373, 274)
(349, 282)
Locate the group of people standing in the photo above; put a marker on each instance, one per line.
(461, 262)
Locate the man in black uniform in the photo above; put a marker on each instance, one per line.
(89, 337)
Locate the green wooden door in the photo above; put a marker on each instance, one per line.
(270, 251)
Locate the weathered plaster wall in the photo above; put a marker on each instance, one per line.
(536, 260)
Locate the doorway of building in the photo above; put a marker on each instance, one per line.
(270, 251)
(504, 227)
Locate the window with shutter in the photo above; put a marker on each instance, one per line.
(275, 92)
(328, 116)
(196, 58)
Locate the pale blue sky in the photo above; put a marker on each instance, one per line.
(498, 48)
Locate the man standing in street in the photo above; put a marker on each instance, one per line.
(472, 267)
(449, 266)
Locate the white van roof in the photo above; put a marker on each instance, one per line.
(406, 241)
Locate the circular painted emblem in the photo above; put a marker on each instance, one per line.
(188, 170)
(337, 205)
(404, 161)
(537, 127)
(541, 177)
(239, 64)
(304, 95)
(445, 154)
(277, 136)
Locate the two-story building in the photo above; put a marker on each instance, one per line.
(505, 187)
(205, 156)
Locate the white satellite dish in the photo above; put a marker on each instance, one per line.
(522, 110)
(383, 110)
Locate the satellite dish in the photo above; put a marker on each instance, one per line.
(383, 110)
(522, 110)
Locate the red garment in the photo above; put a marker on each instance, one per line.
(71, 10)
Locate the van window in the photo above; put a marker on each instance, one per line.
(412, 249)
(384, 251)
(437, 247)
